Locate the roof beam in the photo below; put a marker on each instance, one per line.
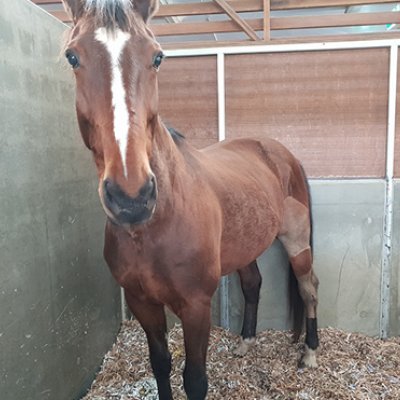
(236, 18)
(281, 23)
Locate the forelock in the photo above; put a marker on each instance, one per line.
(111, 14)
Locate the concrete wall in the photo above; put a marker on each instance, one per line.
(395, 272)
(59, 307)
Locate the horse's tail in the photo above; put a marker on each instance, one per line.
(296, 303)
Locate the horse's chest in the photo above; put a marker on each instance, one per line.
(145, 281)
(133, 269)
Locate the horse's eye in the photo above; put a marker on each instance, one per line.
(72, 59)
(157, 60)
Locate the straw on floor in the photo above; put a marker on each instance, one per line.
(351, 366)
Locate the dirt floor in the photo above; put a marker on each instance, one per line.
(351, 366)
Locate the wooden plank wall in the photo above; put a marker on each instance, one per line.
(328, 107)
(188, 97)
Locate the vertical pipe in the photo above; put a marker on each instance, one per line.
(389, 194)
(123, 305)
(267, 20)
(224, 285)
(221, 95)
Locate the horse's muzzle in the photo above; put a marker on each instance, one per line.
(126, 209)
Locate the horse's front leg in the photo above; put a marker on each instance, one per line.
(152, 318)
(196, 322)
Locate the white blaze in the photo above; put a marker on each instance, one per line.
(115, 43)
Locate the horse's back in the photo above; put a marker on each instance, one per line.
(259, 153)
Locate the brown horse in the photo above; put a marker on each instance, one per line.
(180, 218)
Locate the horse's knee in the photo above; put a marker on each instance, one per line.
(195, 382)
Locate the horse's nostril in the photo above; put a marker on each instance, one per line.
(152, 185)
(148, 189)
(107, 187)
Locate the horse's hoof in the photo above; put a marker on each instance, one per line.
(309, 359)
(244, 347)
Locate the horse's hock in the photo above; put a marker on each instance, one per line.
(331, 105)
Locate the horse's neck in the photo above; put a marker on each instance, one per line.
(170, 164)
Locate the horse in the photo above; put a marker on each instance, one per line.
(179, 218)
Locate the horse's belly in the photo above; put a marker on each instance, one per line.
(250, 230)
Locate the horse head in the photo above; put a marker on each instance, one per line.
(115, 59)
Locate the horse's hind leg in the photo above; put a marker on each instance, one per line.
(250, 280)
(153, 321)
(295, 236)
(308, 286)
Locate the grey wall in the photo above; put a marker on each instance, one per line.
(348, 223)
(395, 271)
(59, 307)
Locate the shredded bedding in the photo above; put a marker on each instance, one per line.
(351, 366)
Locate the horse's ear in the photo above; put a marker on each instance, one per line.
(74, 8)
(146, 8)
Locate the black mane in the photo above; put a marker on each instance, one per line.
(176, 136)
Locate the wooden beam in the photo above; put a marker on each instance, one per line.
(281, 23)
(331, 21)
(208, 8)
(294, 4)
(202, 27)
(236, 18)
(306, 39)
(256, 5)
(61, 15)
(47, 1)
(323, 21)
(170, 10)
(176, 10)
(267, 20)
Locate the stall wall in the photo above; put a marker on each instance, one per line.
(330, 108)
(188, 94)
(395, 269)
(59, 307)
